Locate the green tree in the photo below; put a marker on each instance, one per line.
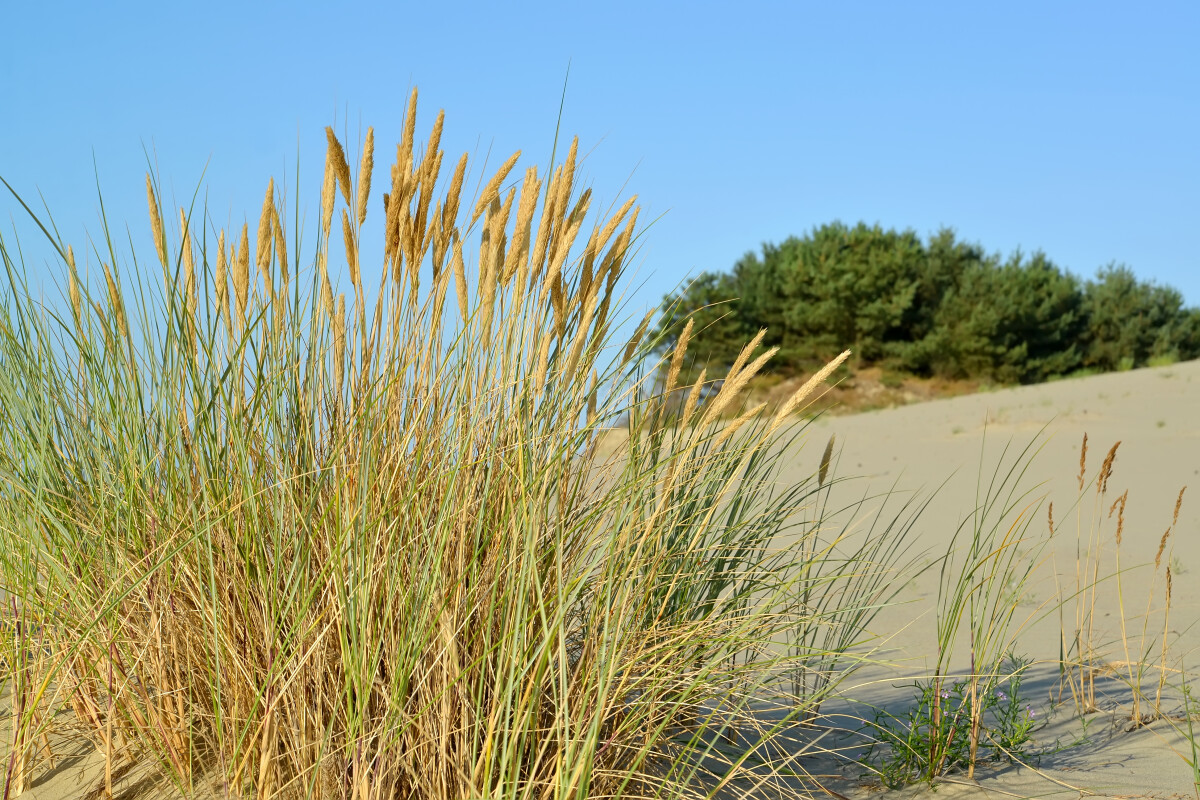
(1016, 321)
(1132, 321)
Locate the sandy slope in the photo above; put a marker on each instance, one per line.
(1155, 414)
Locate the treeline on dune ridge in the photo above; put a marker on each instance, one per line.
(940, 307)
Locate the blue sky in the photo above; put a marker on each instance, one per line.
(1069, 127)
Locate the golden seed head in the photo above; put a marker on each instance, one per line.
(339, 340)
(734, 426)
(351, 249)
(263, 243)
(492, 190)
(328, 190)
(341, 168)
(241, 274)
(1162, 545)
(1050, 517)
(826, 457)
(1106, 469)
(677, 356)
(1178, 505)
(1082, 461)
(280, 245)
(454, 195)
(1119, 506)
(156, 223)
(807, 389)
(460, 277)
(73, 285)
(114, 299)
(693, 399)
(365, 168)
(189, 263)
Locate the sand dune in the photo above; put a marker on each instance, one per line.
(1155, 414)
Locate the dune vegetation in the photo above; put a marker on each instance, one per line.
(268, 532)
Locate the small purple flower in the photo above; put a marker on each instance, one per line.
(945, 694)
(1001, 696)
(1032, 714)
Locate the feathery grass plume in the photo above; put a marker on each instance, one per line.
(1050, 517)
(326, 288)
(1162, 543)
(365, 168)
(733, 386)
(262, 244)
(280, 247)
(431, 163)
(460, 279)
(693, 399)
(241, 275)
(189, 282)
(188, 257)
(73, 288)
(736, 425)
(114, 300)
(156, 223)
(725, 395)
(492, 189)
(351, 248)
(809, 386)
(339, 341)
(1082, 461)
(826, 457)
(681, 346)
(1178, 505)
(1119, 506)
(341, 169)
(329, 194)
(221, 279)
(404, 153)
(453, 197)
(1106, 470)
(517, 259)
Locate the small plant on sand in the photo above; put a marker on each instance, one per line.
(940, 724)
(982, 581)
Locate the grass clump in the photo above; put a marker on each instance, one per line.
(276, 535)
(941, 724)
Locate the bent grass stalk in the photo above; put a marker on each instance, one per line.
(284, 548)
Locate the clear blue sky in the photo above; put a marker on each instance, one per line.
(1069, 127)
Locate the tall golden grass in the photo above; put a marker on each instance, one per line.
(277, 534)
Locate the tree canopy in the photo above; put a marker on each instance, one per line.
(934, 307)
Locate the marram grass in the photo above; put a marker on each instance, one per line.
(277, 535)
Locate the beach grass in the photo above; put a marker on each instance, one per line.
(276, 533)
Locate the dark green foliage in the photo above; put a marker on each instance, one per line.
(721, 328)
(1131, 322)
(940, 307)
(933, 737)
(1018, 322)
